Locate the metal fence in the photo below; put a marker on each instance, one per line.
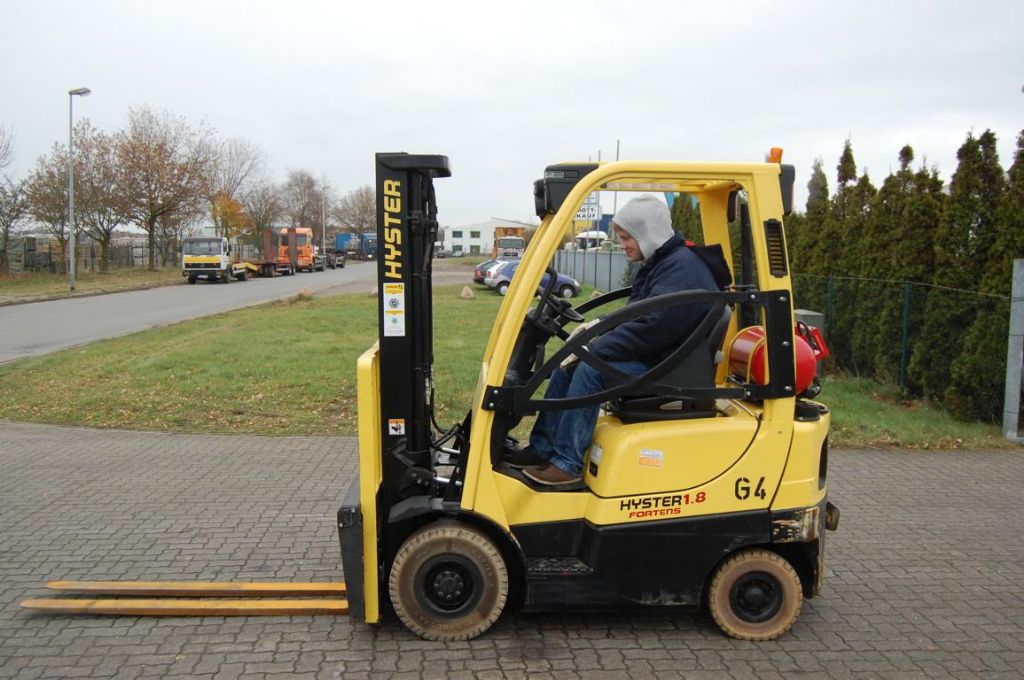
(604, 270)
(874, 325)
(43, 255)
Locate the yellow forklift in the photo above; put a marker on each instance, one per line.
(705, 486)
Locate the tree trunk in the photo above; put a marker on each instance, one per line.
(105, 254)
(152, 245)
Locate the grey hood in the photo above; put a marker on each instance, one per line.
(646, 219)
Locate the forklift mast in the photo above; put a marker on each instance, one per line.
(406, 231)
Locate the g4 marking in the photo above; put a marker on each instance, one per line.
(743, 489)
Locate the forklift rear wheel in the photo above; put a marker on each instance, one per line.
(755, 595)
(448, 582)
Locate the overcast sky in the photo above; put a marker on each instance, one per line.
(504, 89)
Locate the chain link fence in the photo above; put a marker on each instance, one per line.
(874, 327)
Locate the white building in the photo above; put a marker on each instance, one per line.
(476, 238)
(471, 239)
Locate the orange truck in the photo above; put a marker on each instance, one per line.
(509, 242)
(297, 252)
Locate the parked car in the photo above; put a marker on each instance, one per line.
(480, 273)
(500, 277)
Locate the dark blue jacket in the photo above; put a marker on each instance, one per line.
(651, 338)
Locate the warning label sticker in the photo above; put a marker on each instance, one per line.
(652, 458)
(396, 426)
(393, 302)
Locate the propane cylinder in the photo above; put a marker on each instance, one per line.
(748, 359)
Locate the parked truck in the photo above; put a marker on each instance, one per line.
(213, 259)
(297, 252)
(361, 246)
(509, 242)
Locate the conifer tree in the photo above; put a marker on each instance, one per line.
(911, 259)
(880, 335)
(840, 254)
(978, 374)
(846, 171)
(803, 236)
(968, 222)
(856, 301)
(686, 218)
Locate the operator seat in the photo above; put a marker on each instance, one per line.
(696, 369)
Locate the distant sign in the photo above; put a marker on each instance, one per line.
(590, 213)
(591, 209)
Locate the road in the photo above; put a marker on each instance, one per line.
(924, 574)
(43, 327)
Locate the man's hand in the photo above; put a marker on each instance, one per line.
(572, 358)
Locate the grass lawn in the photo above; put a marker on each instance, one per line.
(31, 287)
(464, 262)
(289, 368)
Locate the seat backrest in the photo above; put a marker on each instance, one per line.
(695, 370)
(699, 367)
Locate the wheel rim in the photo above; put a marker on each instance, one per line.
(448, 585)
(756, 597)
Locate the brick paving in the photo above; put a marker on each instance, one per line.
(926, 573)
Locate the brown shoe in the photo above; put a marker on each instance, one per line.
(549, 475)
(524, 457)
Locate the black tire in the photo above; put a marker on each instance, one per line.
(227, 277)
(244, 276)
(191, 280)
(342, 265)
(501, 288)
(448, 582)
(755, 595)
(567, 292)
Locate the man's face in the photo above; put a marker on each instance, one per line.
(628, 244)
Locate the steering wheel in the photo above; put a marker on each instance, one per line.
(554, 313)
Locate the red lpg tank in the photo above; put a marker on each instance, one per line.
(747, 355)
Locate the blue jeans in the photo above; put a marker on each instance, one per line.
(562, 437)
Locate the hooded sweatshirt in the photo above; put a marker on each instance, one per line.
(669, 267)
(646, 219)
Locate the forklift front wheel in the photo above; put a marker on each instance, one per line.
(755, 595)
(448, 582)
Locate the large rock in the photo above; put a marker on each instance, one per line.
(467, 293)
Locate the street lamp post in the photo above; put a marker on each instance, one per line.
(323, 222)
(80, 92)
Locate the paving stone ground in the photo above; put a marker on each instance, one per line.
(926, 572)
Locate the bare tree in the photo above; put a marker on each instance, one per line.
(264, 207)
(357, 211)
(100, 208)
(166, 170)
(237, 164)
(171, 229)
(301, 196)
(46, 191)
(6, 147)
(13, 206)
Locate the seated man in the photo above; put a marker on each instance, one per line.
(559, 439)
